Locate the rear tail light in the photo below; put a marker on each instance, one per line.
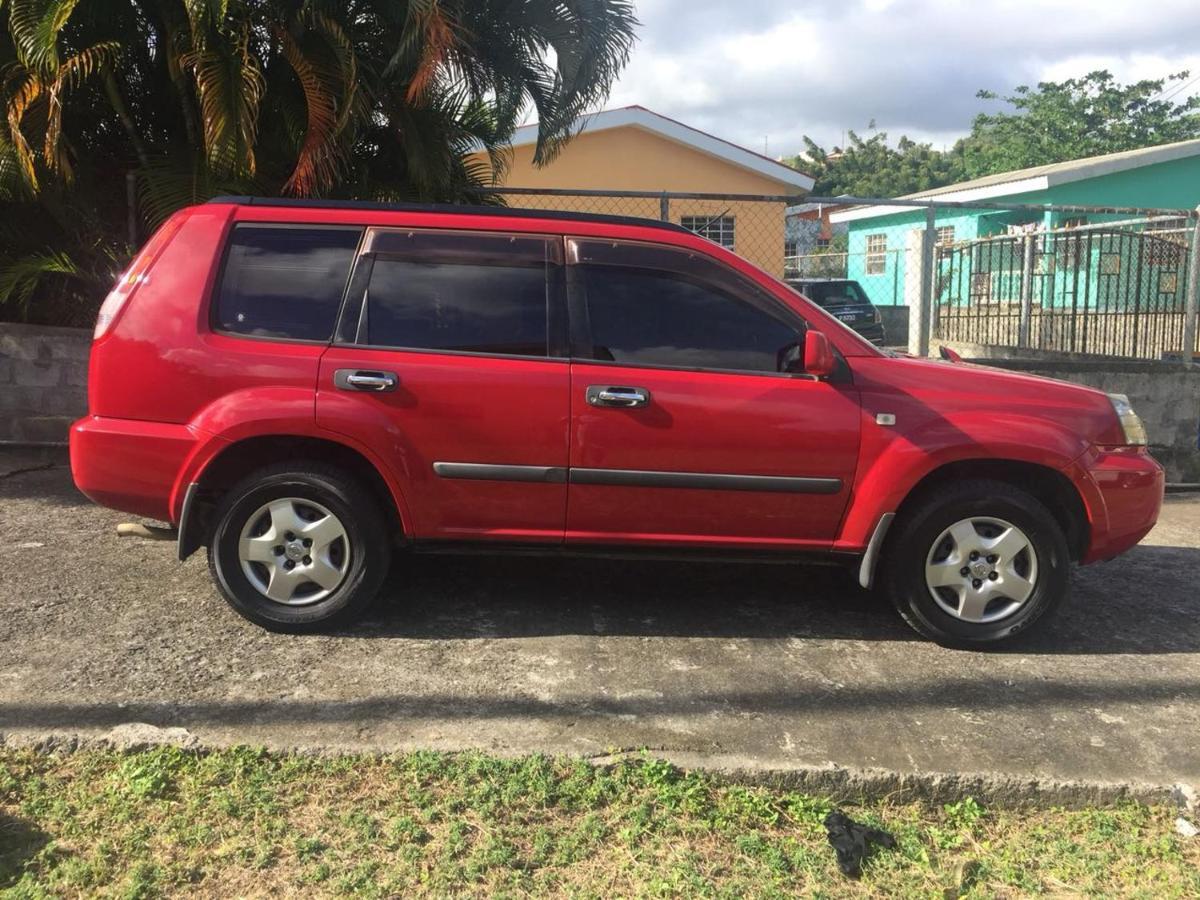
(114, 302)
(137, 273)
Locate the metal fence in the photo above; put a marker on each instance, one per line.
(1114, 289)
(1113, 281)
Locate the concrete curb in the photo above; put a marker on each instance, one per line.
(839, 783)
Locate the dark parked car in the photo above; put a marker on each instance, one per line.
(846, 301)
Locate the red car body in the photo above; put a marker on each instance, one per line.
(170, 397)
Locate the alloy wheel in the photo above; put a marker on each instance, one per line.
(981, 569)
(294, 551)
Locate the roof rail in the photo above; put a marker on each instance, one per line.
(463, 209)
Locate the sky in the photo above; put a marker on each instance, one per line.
(764, 73)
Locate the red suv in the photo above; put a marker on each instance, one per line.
(304, 388)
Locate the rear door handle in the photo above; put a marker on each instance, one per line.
(624, 397)
(369, 380)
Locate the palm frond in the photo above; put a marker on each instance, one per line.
(13, 186)
(21, 98)
(173, 182)
(21, 275)
(317, 164)
(206, 17)
(437, 39)
(231, 86)
(70, 75)
(34, 26)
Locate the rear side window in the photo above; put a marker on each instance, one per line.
(460, 293)
(284, 281)
(656, 306)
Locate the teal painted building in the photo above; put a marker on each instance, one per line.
(1077, 266)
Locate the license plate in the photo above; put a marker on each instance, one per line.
(848, 317)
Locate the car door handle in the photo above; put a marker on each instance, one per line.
(368, 380)
(624, 397)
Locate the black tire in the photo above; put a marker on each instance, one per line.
(911, 541)
(366, 531)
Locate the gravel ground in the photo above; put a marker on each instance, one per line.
(762, 667)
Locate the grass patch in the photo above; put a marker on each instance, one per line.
(245, 822)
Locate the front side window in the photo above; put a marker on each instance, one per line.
(718, 229)
(656, 306)
(284, 281)
(471, 293)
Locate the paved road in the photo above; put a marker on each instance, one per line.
(768, 666)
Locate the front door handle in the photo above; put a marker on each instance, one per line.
(624, 397)
(369, 380)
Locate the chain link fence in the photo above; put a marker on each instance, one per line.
(1109, 281)
(750, 225)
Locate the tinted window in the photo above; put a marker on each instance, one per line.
(459, 292)
(285, 282)
(653, 306)
(832, 293)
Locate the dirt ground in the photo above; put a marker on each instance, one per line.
(772, 667)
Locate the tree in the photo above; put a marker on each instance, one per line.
(871, 168)
(1052, 122)
(378, 99)
(1080, 117)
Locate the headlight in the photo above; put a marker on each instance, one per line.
(1135, 431)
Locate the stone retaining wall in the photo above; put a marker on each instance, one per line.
(43, 381)
(1165, 394)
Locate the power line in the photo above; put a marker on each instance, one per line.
(1182, 87)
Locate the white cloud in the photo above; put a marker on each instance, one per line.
(785, 68)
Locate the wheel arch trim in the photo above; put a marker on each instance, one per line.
(186, 496)
(870, 559)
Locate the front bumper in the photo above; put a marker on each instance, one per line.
(1123, 494)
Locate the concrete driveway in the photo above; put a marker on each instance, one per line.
(763, 667)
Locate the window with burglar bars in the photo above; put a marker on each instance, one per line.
(876, 263)
(719, 229)
(945, 236)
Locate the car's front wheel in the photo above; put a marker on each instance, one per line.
(976, 563)
(298, 547)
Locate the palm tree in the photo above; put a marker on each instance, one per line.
(335, 98)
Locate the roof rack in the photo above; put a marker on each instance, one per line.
(464, 209)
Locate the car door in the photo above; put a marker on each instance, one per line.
(450, 363)
(686, 425)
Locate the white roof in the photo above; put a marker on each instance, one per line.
(640, 117)
(1038, 178)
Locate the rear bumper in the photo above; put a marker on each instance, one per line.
(1124, 494)
(128, 464)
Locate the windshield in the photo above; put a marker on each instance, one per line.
(833, 293)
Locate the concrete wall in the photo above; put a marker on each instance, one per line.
(895, 324)
(1165, 395)
(43, 380)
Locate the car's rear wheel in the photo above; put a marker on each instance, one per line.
(976, 563)
(298, 547)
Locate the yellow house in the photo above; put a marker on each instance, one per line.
(634, 149)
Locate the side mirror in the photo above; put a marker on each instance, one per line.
(818, 354)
